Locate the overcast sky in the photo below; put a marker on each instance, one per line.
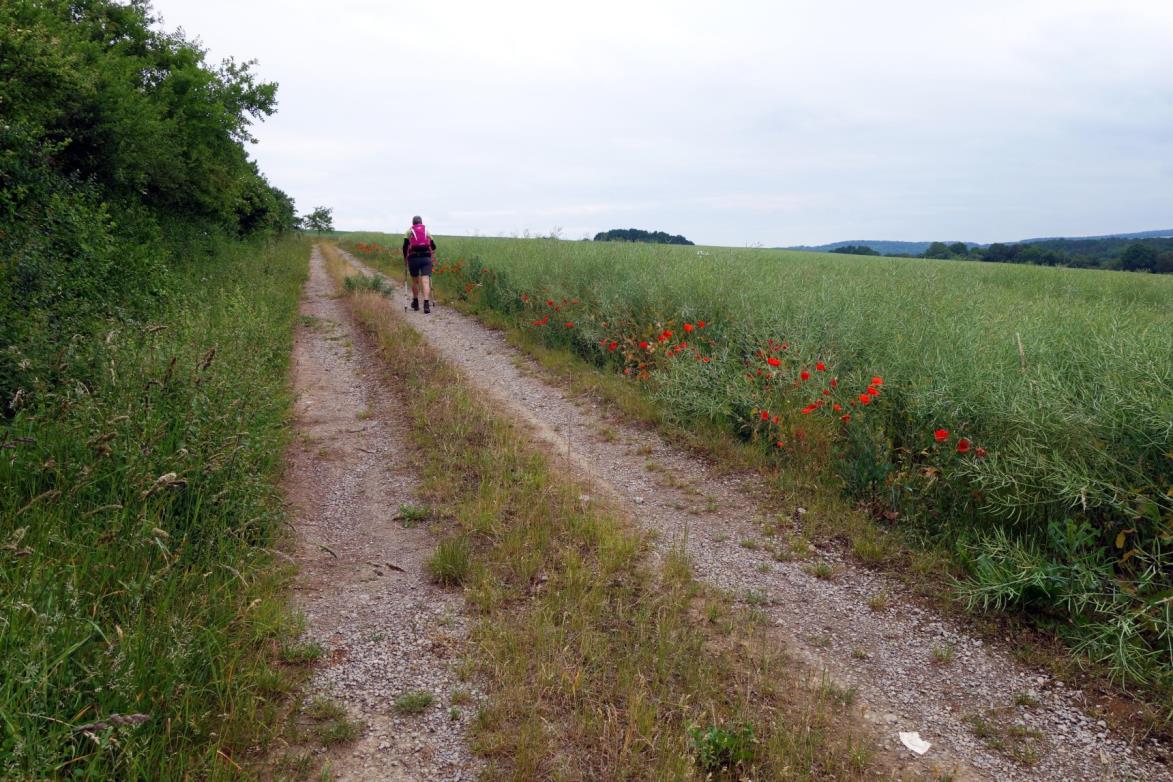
(733, 123)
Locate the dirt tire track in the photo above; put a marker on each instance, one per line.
(362, 587)
(827, 622)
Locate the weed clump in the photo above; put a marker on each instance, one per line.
(451, 563)
(719, 749)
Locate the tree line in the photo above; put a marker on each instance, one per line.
(637, 235)
(1139, 255)
(122, 153)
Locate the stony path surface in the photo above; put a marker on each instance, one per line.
(384, 628)
(889, 656)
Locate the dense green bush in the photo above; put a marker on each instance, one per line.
(121, 151)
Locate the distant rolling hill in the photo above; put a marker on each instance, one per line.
(884, 247)
(890, 247)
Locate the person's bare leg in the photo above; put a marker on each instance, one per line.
(427, 283)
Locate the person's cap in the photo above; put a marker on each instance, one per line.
(416, 220)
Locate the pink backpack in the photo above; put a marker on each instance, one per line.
(419, 237)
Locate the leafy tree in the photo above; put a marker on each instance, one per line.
(937, 250)
(321, 219)
(1164, 263)
(1001, 253)
(855, 249)
(959, 249)
(1138, 256)
(121, 152)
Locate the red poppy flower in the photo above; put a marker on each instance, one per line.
(837, 407)
(524, 297)
(644, 345)
(549, 302)
(765, 415)
(821, 367)
(775, 419)
(826, 392)
(613, 346)
(700, 324)
(541, 322)
(808, 409)
(569, 324)
(877, 381)
(805, 375)
(666, 334)
(963, 445)
(705, 359)
(941, 435)
(873, 391)
(773, 361)
(845, 417)
(864, 399)
(980, 453)
(688, 327)
(834, 382)
(780, 444)
(682, 344)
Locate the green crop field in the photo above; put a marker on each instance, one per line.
(1021, 416)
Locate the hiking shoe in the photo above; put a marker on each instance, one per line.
(415, 304)
(427, 306)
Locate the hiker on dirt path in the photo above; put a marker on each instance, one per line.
(418, 250)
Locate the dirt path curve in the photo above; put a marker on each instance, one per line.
(385, 630)
(888, 655)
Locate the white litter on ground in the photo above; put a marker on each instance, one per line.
(914, 742)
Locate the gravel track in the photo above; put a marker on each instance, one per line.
(385, 629)
(887, 656)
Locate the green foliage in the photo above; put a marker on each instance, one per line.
(722, 749)
(366, 282)
(854, 249)
(1138, 256)
(1144, 254)
(451, 563)
(139, 501)
(638, 235)
(937, 250)
(121, 151)
(414, 702)
(321, 219)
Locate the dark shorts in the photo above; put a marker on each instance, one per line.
(420, 266)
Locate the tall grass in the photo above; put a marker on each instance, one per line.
(1062, 378)
(137, 597)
